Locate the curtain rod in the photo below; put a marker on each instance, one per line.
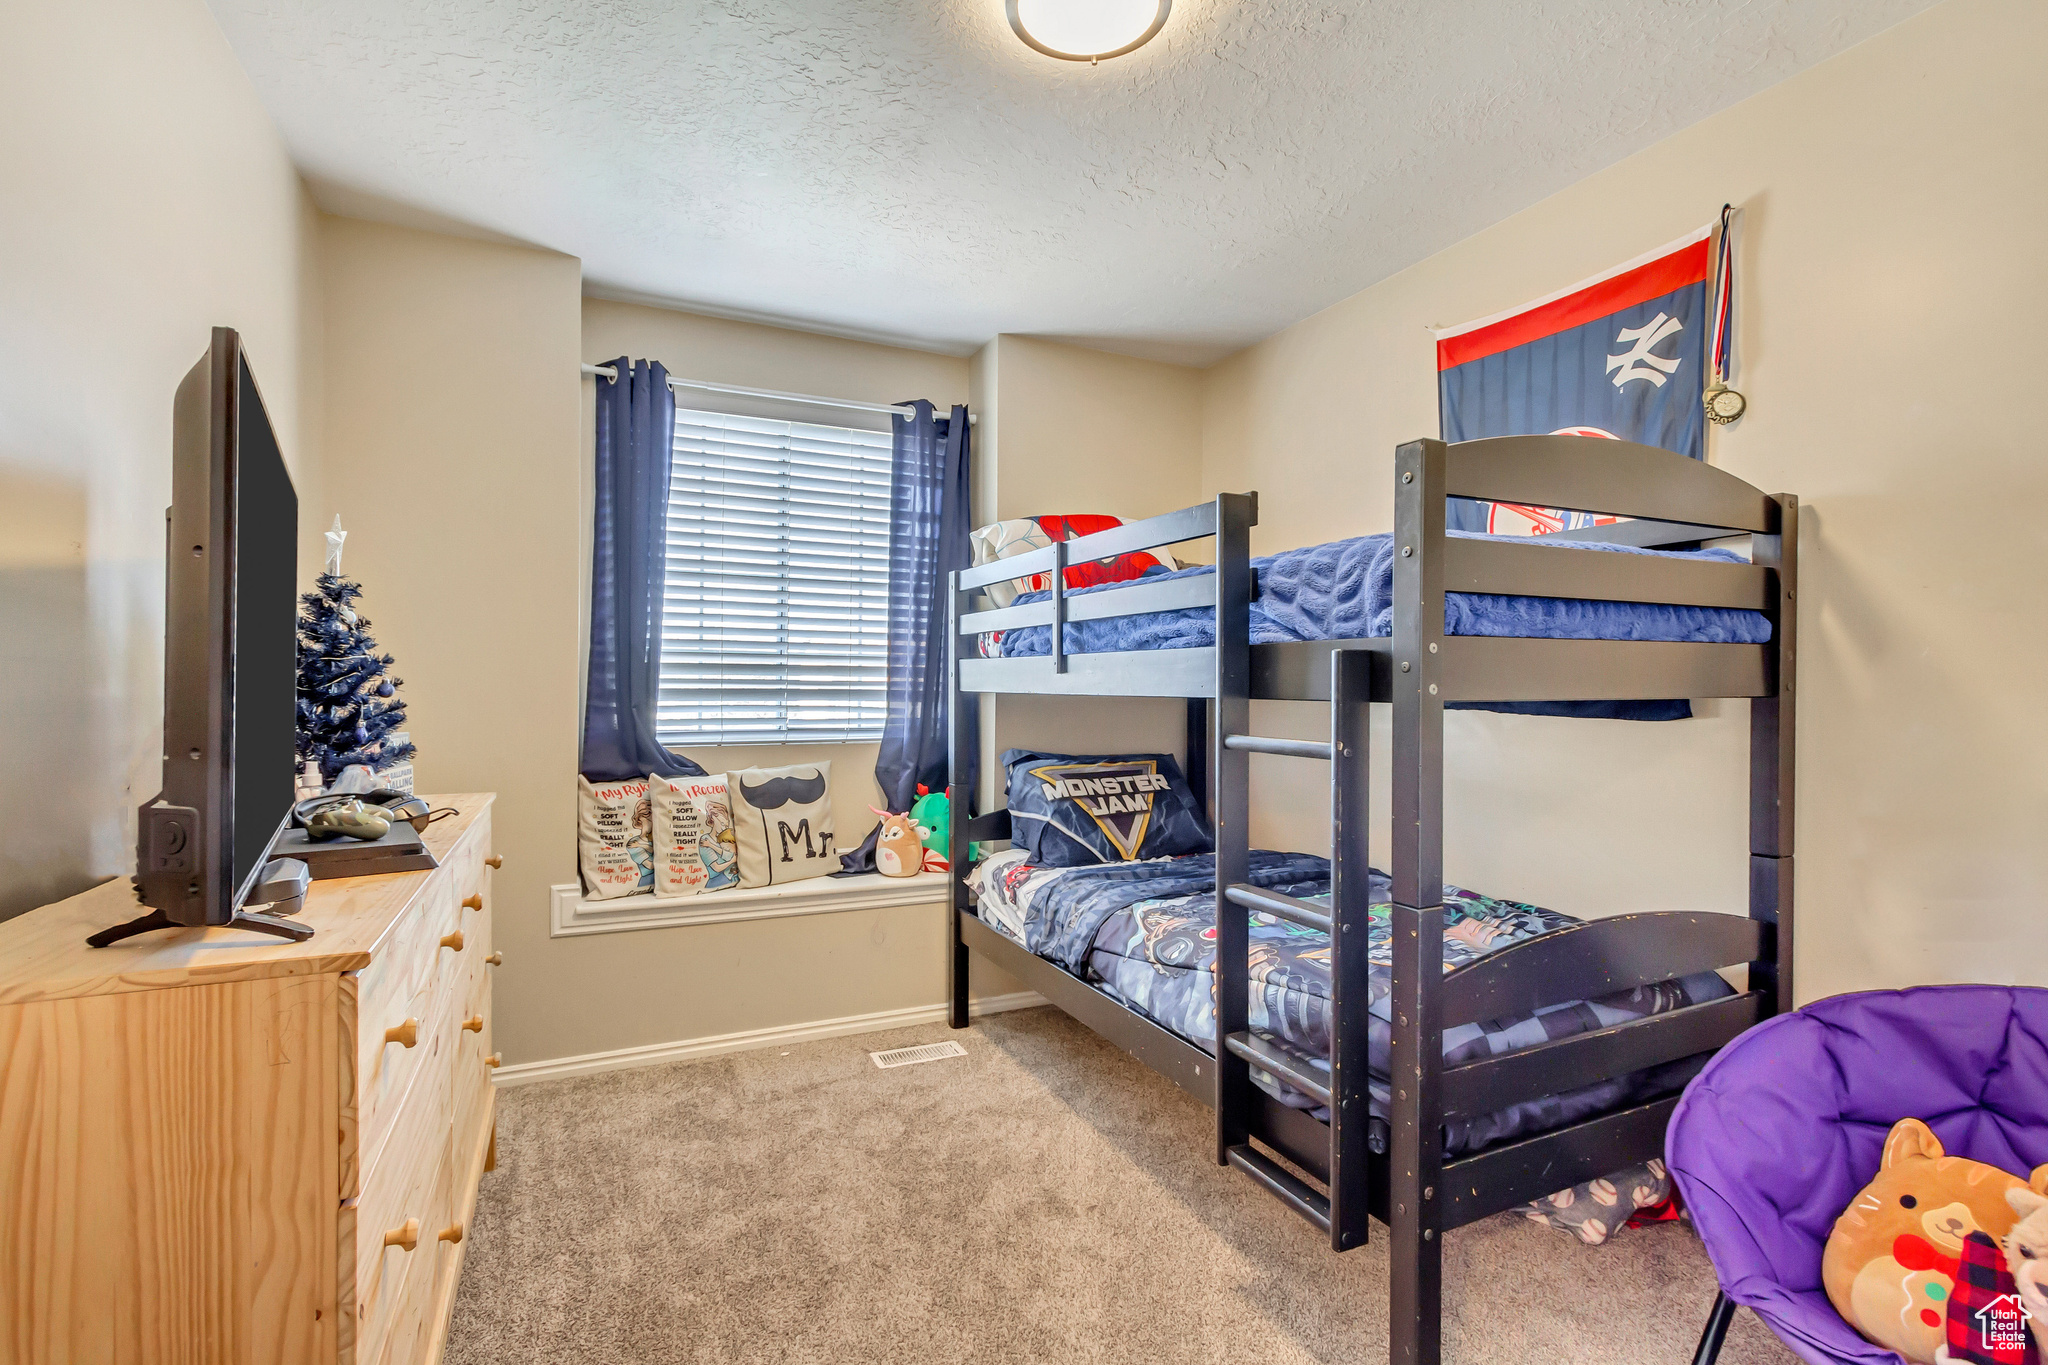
(607, 372)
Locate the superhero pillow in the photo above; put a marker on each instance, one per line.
(1003, 539)
(1069, 810)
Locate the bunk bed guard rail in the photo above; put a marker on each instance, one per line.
(1153, 673)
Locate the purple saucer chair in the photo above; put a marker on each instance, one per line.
(1774, 1138)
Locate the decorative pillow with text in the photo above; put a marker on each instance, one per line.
(613, 843)
(1073, 810)
(694, 846)
(783, 820)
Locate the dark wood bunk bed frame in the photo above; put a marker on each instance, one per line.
(1413, 1190)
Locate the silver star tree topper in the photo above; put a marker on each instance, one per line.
(335, 535)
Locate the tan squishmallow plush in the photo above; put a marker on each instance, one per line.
(2026, 1255)
(1890, 1262)
(898, 853)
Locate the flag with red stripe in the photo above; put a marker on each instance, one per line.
(1622, 355)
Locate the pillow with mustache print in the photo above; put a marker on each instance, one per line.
(782, 818)
(778, 792)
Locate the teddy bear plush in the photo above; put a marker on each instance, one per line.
(1891, 1261)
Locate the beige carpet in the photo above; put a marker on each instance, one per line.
(1044, 1198)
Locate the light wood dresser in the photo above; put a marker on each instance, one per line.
(220, 1147)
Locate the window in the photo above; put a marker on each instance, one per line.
(775, 617)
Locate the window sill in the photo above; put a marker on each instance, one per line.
(570, 915)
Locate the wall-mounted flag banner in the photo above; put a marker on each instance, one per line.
(1622, 355)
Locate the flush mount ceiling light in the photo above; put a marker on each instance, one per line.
(1087, 30)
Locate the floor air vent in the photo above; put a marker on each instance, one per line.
(911, 1056)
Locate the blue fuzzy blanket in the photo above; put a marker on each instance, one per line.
(1345, 591)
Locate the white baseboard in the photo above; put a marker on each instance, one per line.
(654, 1054)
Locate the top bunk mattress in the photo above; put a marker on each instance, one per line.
(1344, 590)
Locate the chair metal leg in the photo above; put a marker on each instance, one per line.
(1716, 1331)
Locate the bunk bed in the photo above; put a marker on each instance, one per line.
(1320, 1160)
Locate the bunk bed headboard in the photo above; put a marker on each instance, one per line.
(1678, 498)
(1614, 478)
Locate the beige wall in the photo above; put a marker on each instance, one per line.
(1084, 431)
(451, 427)
(722, 351)
(146, 200)
(1088, 431)
(1891, 271)
(460, 425)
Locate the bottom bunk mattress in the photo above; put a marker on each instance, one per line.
(1145, 935)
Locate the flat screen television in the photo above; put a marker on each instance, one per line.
(230, 666)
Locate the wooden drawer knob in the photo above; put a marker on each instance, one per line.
(475, 902)
(405, 1034)
(474, 1024)
(407, 1236)
(453, 940)
(451, 1233)
(496, 959)
(494, 1060)
(494, 861)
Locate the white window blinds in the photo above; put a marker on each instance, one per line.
(775, 618)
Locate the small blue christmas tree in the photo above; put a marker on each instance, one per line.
(348, 703)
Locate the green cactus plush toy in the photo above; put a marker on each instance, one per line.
(933, 816)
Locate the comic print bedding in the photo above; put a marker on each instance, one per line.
(1147, 939)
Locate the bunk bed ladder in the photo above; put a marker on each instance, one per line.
(1230, 822)
(1351, 946)
(1342, 1211)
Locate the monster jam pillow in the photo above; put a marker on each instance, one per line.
(1077, 810)
(783, 820)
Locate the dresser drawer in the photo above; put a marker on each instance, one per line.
(403, 1186)
(416, 1316)
(473, 1048)
(466, 871)
(448, 1251)
(406, 987)
(472, 1081)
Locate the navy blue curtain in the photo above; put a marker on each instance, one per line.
(928, 526)
(636, 421)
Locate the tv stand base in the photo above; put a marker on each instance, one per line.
(156, 919)
(271, 924)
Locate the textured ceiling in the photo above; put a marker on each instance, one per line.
(908, 170)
